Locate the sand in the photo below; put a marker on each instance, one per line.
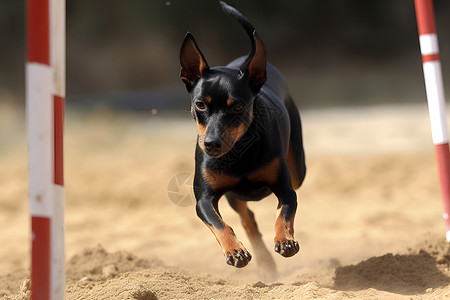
(369, 221)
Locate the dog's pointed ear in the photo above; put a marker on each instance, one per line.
(192, 61)
(255, 66)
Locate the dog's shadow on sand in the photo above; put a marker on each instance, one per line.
(402, 274)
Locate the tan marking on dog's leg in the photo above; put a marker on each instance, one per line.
(284, 229)
(248, 220)
(232, 248)
(284, 240)
(266, 265)
(226, 239)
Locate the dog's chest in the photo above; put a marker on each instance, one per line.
(251, 182)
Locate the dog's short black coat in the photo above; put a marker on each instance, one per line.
(249, 145)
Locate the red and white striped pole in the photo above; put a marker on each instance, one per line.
(436, 98)
(45, 93)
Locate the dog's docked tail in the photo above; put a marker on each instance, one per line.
(254, 66)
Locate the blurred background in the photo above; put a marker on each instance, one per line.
(128, 130)
(124, 55)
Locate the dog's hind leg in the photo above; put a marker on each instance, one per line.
(296, 155)
(266, 265)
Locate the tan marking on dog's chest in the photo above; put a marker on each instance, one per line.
(218, 180)
(267, 173)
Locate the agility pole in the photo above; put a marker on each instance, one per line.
(45, 93)
(436, 99)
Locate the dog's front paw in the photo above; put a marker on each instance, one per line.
(239, 258)
(287, 248)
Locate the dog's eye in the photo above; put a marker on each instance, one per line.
(200, 105)
(238, 107)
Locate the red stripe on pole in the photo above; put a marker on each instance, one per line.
(430, 57)
(443, 159)
(40, 258)
(425, 16)
(38, 37)
(58, 130)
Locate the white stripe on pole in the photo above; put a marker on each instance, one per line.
(429, 44)
(58, 45)
(39, 110)
(57, 245)
(436, 101)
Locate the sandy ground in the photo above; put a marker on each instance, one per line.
(369, 220)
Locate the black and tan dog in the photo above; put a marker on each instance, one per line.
(249, 145)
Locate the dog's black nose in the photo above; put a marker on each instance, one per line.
(212, 144)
